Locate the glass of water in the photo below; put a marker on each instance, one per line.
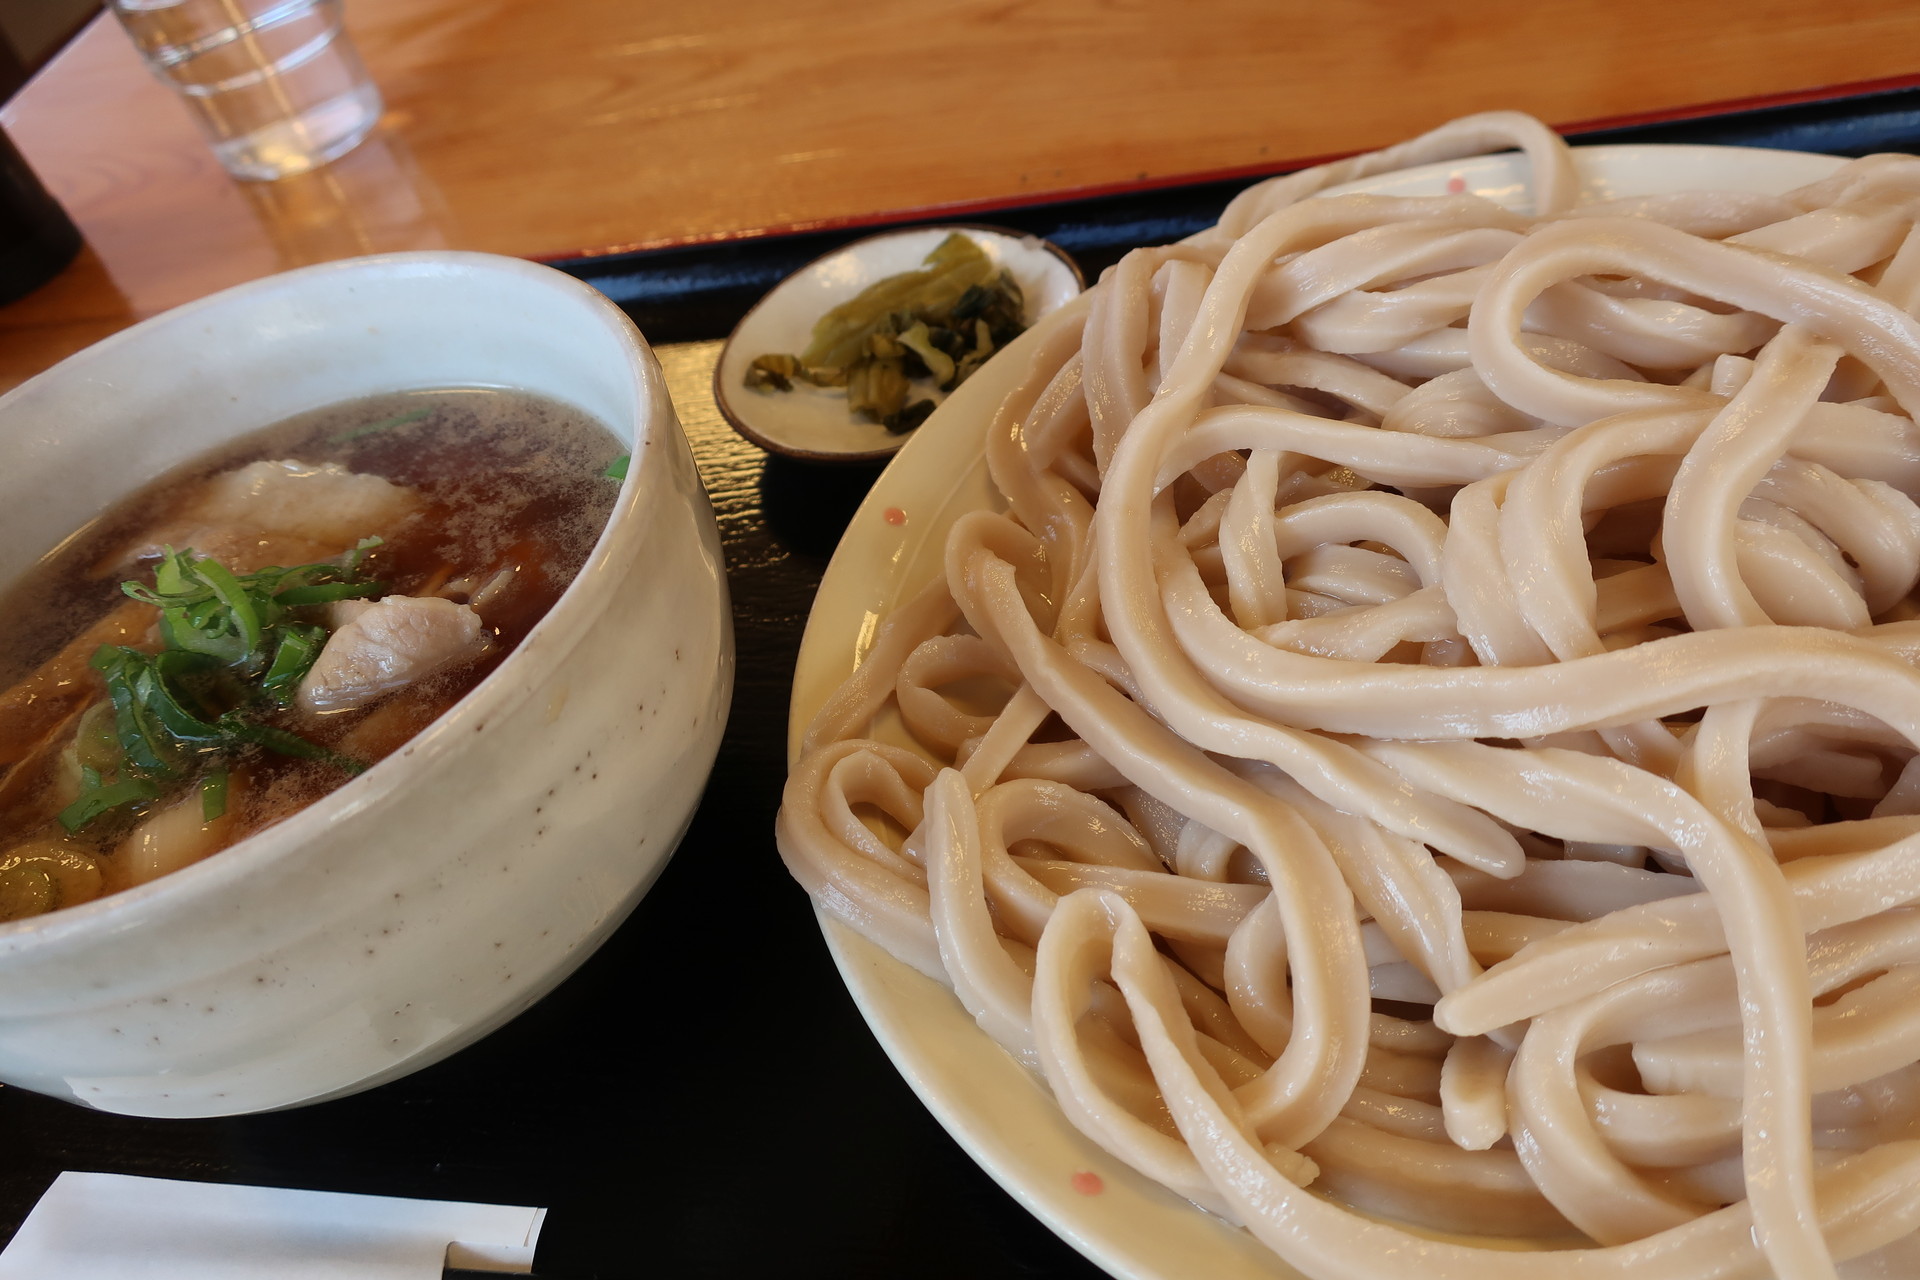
(276, 84)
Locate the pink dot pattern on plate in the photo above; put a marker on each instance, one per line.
(1087, 1183)
(1456, 184)
(894, 515)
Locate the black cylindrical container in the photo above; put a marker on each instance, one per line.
(37, 239)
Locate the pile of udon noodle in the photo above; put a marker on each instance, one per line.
(1434, 731)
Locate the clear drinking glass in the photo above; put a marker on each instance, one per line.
(276, 84)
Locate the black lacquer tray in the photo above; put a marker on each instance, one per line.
(701, 1098)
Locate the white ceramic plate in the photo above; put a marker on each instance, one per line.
(813, 422)
(998, 1111)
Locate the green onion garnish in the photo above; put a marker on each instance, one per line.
(213, 795)
(234, 649)
(102, 799)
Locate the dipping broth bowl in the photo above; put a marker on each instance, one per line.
(443, 891)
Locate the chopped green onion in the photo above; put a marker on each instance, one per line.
(227, 588)
(160, 686)
(170, 575)
(143, 744)
(231, 648)
(285, 743)
(94, 746)
(103, 799)
(299, 646)
(196, 630)
(213, 795)
(617, 469)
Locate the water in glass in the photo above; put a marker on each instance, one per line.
(276, 84)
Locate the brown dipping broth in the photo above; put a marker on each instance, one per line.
(509, 480)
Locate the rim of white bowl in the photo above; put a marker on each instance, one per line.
(549, 640)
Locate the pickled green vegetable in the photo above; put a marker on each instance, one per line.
(956, 265)
(936, 324)
(877, 388)
(919, 340)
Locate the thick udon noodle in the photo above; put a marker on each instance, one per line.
(1437, 723)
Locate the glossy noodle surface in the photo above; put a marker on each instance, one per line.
(1431, 739)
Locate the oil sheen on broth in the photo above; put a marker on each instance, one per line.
(485, 504)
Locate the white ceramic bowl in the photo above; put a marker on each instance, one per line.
(447, 888)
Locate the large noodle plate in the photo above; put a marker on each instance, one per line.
(998, 1109)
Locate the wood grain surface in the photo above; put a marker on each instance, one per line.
(550, 128)
(547, 127)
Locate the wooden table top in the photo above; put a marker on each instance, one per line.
(567, 126)
(551, 127)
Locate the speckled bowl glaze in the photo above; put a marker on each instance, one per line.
(446, 889)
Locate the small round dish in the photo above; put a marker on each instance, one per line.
(813, 422)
